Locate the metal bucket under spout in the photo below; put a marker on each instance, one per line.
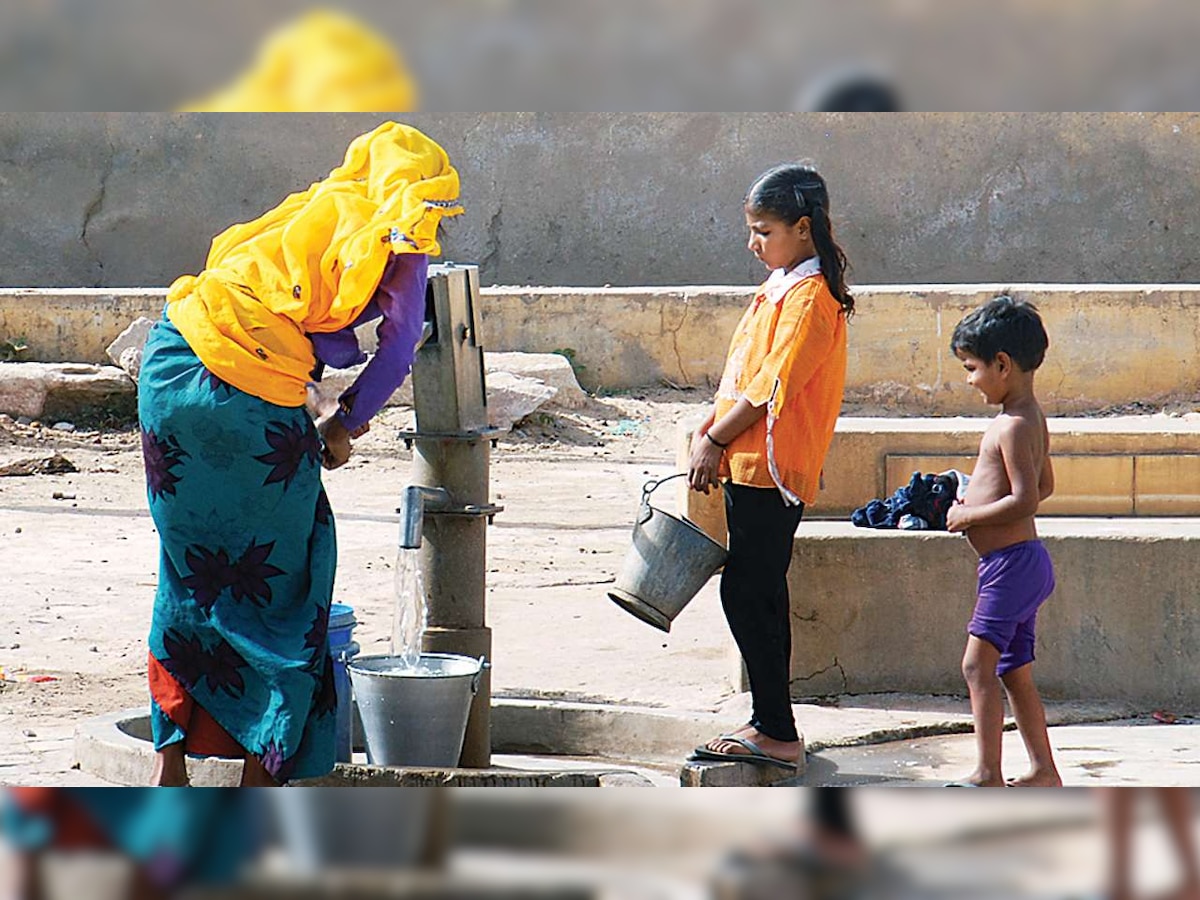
(415, 716)
(669, 561)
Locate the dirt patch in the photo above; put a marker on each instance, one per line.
(79, 557)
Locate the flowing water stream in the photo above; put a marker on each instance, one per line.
(409, 616)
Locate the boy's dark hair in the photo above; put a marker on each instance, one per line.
(1003, 325)
(788, 193)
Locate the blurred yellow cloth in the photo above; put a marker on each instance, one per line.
(324, 62)
(313, 263)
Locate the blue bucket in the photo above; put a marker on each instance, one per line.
(343, 649)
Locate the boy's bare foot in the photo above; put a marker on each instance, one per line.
(1037, 779)
(980, 779)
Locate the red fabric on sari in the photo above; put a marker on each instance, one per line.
(205, 736)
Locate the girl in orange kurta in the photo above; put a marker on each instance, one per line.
(766, 439)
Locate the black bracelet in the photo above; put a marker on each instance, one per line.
(715, 441)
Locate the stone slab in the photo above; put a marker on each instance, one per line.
(715, 773)
(518, 384)
(126, 350)
(552, 369)
(511, 398)
(62, 391)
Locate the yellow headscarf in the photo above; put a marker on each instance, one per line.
(323, 62)
(313, 263)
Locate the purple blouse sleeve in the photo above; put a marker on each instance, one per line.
(401, 299)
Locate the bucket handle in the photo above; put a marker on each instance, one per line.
(649, 488)
(478, 676)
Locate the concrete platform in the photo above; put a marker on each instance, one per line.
(115, 748)
(887, 610)
(1120, 753)
(1110, 466)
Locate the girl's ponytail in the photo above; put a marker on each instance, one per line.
(792, 191)
(833, 258)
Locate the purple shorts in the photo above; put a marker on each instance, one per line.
(1013, 582)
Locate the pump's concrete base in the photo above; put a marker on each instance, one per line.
(117, 748)
(556, 743)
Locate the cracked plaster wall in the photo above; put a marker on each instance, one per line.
(119, 200)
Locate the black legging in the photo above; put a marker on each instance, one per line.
(829, 810)
(754, 595)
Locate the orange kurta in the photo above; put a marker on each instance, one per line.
(789, 352)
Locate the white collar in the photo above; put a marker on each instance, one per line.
(781, 281)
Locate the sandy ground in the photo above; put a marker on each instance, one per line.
(79, 557)
(78, 561)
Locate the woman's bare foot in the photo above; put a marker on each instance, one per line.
(170, 767)
(1045, 778)
(254, 775)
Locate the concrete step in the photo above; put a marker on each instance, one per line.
(1110, 466)
(887, 610)
(627, 337)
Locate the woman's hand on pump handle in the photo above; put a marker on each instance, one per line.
(336, 442)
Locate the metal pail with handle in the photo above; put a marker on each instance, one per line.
(669, 561)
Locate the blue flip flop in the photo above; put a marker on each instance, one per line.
(754, 754)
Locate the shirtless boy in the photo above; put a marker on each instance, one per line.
(1001, 345)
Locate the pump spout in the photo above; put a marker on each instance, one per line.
(413, 503)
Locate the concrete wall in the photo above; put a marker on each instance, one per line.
(887, 611)
(1110, 345)
(113, 199)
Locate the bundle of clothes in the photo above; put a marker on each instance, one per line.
(922, 504)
